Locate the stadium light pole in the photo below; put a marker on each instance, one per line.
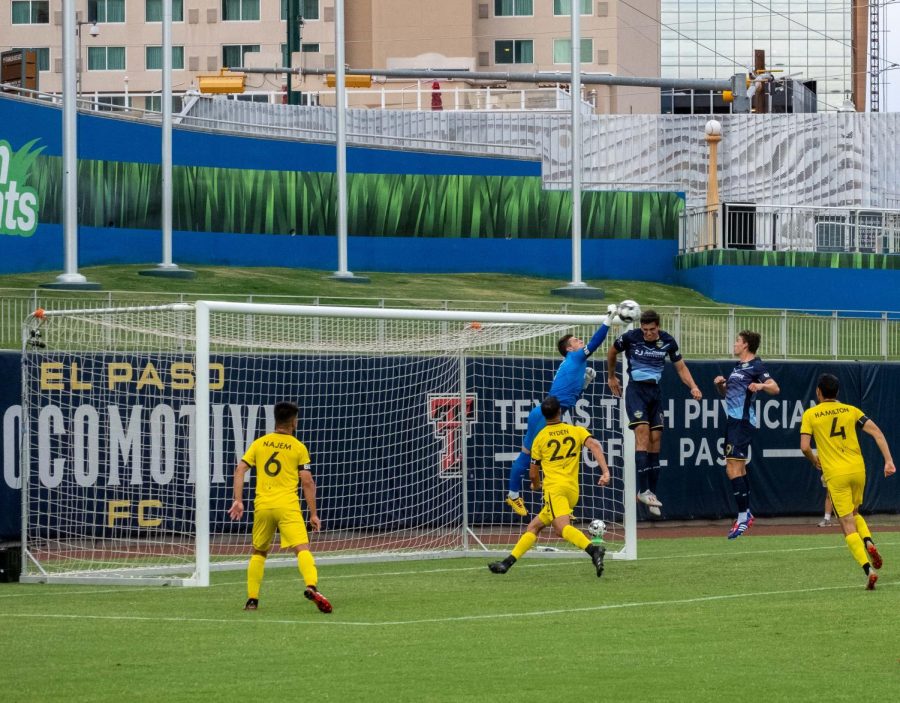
(576, 287)
(70, 279)
(340, 147)
(166, 269)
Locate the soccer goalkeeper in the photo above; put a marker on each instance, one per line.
(572, 377)
(281, 462)
(557, 453)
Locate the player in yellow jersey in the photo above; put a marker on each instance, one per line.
(557, 453)
(281, 462)
(833, 425)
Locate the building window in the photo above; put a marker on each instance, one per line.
(514, 51)
(154, 103)
(154, 58)
(562, 50)
(154, 10)
(304, 48)
(106, 58)
(107, 11)
(43, 58)
(309, 9)
(233, 54)
(240, 10)
(564, 7)
(30, 12)
(513, 8)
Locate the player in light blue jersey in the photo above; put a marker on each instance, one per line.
(572, 377)
(647, 349)
(748, 376)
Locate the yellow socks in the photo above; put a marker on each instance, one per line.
(575, 536)
(857, 548)
(862, 527)
(526, 542)
(255, 575)
(307, 566)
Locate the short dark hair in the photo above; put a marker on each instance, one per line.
(563, 343)
(648, 317)
(285, 411)
(828, 385)
(751, 338)
(550, 407)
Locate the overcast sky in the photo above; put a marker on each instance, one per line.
(890, 51)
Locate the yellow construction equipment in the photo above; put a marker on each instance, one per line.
(224, 81)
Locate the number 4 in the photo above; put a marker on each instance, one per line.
(835, 432)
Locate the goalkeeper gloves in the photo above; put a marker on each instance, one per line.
(589, 376)
(612, 316)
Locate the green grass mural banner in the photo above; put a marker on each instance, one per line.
(207, 199)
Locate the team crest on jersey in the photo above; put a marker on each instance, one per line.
(659, 344)
(445, 416)
(639, 414)
(745, 365)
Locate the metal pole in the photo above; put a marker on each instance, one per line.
(576, 286)
(70, 278)
(166, 268)
(340, 107)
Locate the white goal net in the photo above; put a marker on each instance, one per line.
(134, 419)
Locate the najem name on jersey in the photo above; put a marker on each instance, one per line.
(276, 445)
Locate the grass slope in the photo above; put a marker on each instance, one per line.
(702, 619)
(306, 282)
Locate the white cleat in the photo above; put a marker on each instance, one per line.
(647, 498)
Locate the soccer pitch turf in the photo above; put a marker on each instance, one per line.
(766, 618)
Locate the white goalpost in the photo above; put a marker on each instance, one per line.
(134, 418)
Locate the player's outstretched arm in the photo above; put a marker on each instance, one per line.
(871, 429)
(770, 387)
(308, 484)
(685, 375)
(236, 511)
(592, 444)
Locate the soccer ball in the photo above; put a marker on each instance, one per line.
(597, 528)
(629, 311)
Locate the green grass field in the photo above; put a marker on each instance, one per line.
(698, 619)
(475, 287)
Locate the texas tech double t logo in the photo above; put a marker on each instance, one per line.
(444, 415)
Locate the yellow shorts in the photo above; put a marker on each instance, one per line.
(288, 521)
(558, 502)
(847, 492)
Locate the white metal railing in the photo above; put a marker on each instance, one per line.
(702, 332)
(765, 227)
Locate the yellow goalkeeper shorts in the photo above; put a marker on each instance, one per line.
(287, 520)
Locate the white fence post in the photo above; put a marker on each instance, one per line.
(834, 334)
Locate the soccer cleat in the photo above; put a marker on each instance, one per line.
(825, 522)
(251, 604)
(501, 567)
(647, 498)
(312, 593)
(653, 510)
(518, 506)
(597, 553)
(750, 519)
(738, 529)
(874, 556)
(873, 577)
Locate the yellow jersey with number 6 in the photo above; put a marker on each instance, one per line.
(557, 448)
(277, 459)
(833, 425)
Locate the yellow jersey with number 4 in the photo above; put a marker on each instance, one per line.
(277, 459)
(833, 425)
(557, 448)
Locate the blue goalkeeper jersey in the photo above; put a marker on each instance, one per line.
(647, 359)
(568, 383)
(738, 397)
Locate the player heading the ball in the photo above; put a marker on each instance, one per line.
(646, 350)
